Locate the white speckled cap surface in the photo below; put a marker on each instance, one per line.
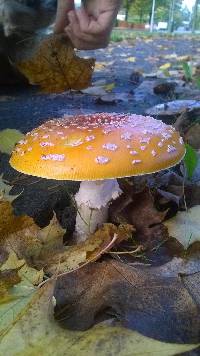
(98, 146)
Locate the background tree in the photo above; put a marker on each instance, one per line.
(127, 4)
(139, 11)
(195, 16)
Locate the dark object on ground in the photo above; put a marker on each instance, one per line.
(164, 88)
(168, 112)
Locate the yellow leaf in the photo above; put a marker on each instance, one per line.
(100, 65)
(130, 59)
(165, 66)
(109, 87)
(55, 66)
(148, 40)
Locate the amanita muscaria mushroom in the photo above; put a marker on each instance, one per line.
(96, 149)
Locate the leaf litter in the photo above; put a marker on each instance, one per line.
(136, 300)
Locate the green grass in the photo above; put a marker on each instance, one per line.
(119, 34)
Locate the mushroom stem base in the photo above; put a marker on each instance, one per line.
(92, 202)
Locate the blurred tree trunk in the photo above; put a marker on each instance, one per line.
(127, 8)
(194, 16)
(152, 16)
(171, 17)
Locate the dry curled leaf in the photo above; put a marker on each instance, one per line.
(139, 210)
(77, 256)
(22, 235)
(55, 66)
(44, 248)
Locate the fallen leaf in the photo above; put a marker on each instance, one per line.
(185, 226)
(8, 139)
(101, 65)
(151, 301)
(29, 276)
(170, 110)
(109, 87)
(75, 257)
(112, 98)
(165, 66)
(192, 136)
(94, 90)
(55, 66)
(5, 190)
(21, 286)
(35, 332)
(22, 235)
(44, 248)
(138, 210)
(170, 56)
(8, 279)
(148, 40)
(164, 88)
(185, 58)
(130, 59)
(9, 223)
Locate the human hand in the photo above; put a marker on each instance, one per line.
(90, 26)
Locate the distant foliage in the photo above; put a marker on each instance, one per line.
(139, 11)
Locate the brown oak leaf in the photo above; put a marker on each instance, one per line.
(55, 67)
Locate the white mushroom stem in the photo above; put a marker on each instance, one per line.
(92, 201)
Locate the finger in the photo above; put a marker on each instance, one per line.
(83, 44)
(75, 27)
(83, 19)
(74, 31)
(61, 21)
